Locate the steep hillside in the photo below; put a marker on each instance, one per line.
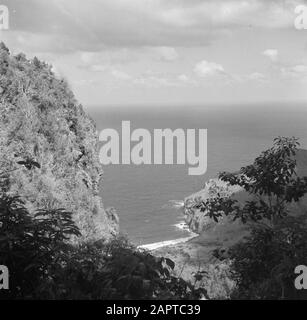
(199, 222)
(48, 145)
(214, 239)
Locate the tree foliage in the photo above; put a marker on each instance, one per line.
(43, 263)
(48, 145)
(271, 181)
(263, 264)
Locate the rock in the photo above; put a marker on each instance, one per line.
(199, 221)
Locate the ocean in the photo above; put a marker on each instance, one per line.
(144, 195)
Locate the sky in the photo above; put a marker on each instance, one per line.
(166, 52)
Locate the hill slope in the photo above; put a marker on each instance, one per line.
(48, 145)
(197, 254)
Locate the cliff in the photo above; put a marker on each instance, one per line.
(48, 145)
(209, 250)
(198, 222)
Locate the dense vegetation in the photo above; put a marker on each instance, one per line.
(48, 149)
(49, 160)
(48, 145)
(43, 263)
(263, 264)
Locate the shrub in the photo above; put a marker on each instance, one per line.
(48, 145)
(263, 266)
(43, 264)
(30, 245)
(271, 180)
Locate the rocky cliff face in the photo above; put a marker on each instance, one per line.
(48, 145)
(210, 249)
(199, 222)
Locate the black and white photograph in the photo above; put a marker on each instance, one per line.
(153, 150)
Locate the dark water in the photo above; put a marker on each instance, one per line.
(236, 135)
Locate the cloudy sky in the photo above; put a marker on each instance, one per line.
(145, 52)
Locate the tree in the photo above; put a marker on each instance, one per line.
(271, 181)
(44, 264)
(263, 263)
(29, 246)
(51, 144)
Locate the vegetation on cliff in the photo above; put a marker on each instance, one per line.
(49, 180)
(48, 145)
(44, 264)
(263, 264)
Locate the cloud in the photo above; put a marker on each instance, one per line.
(272, 54)
(165, 53)
(294, 72)
(186, 80)
(152, 79)
(205, 68)
(283, 69)
(257, 76)
(183, 78)
(121, 75)
(155, 79)
(70, 25)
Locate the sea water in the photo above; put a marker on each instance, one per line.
(144, 195)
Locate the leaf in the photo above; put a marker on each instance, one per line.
(170, 263)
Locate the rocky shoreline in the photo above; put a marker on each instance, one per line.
(206, 251)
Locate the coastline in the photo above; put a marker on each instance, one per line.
(204, 193)
(196, 252)
(158, 245)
